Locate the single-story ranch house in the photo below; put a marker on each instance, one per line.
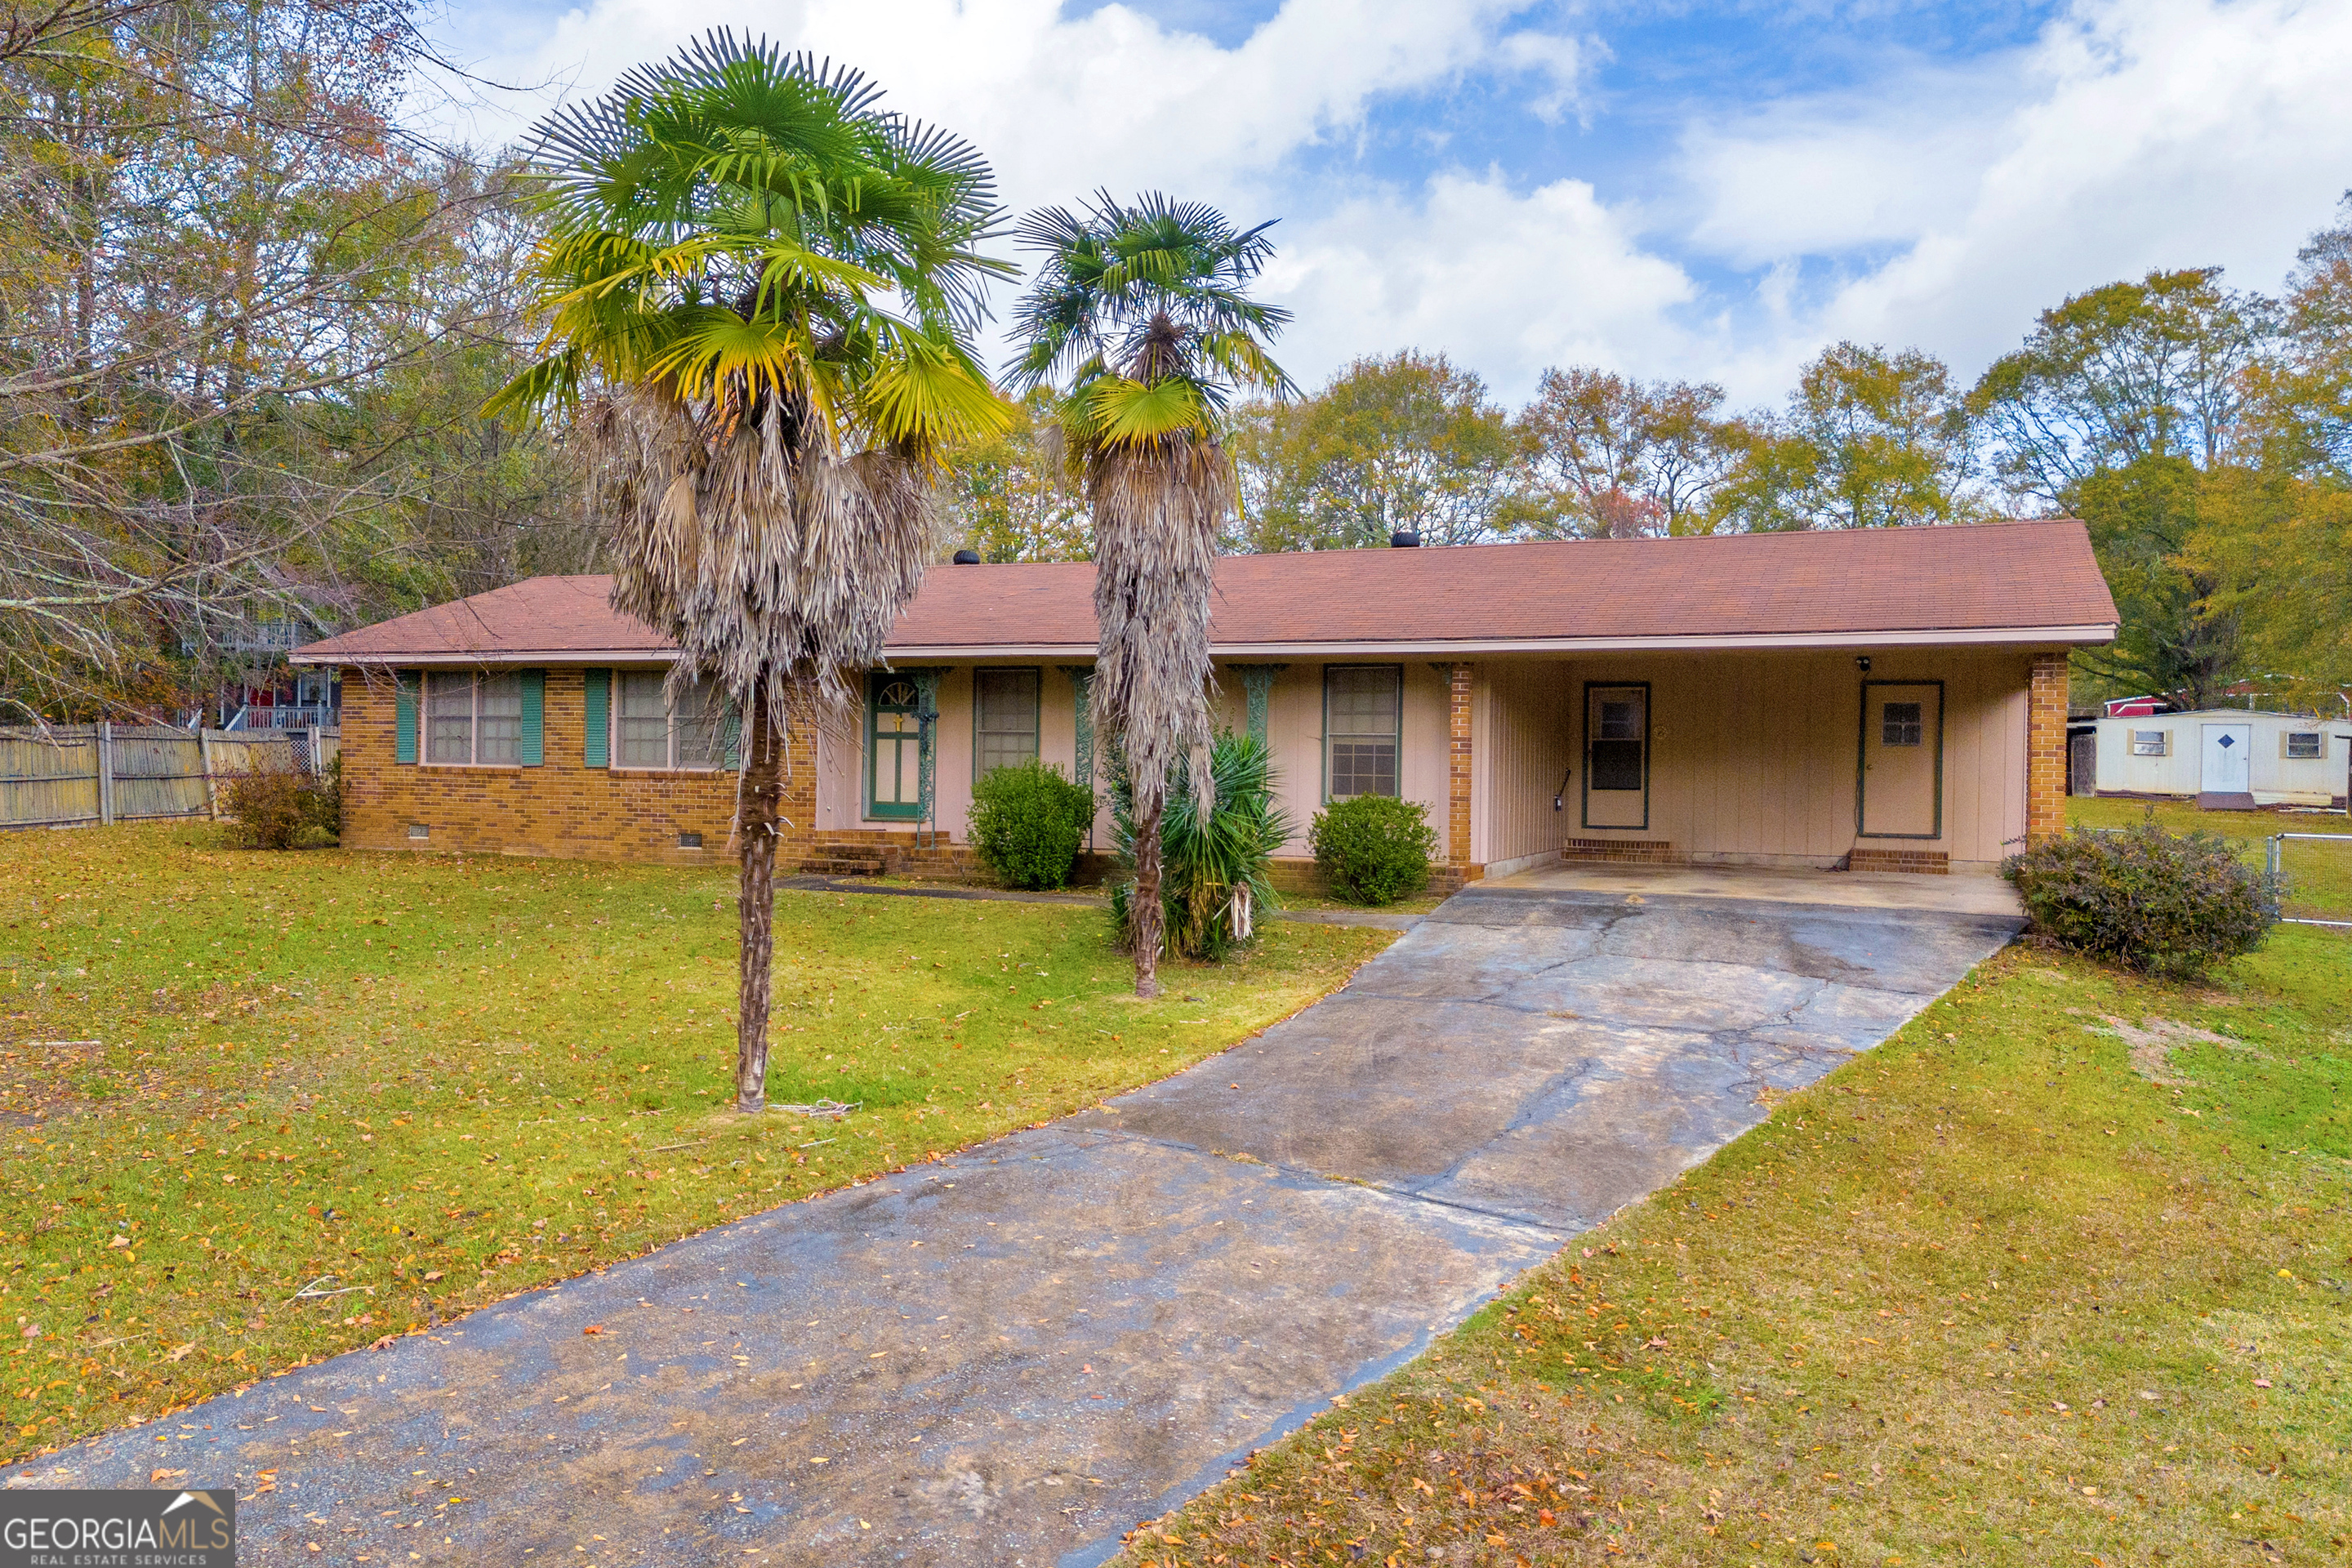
(1880, 699)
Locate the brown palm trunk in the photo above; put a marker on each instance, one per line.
(762, 796)
(1146, 914)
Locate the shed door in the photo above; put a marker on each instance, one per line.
(2083, 762)
(1902, 760)
(2228, 749)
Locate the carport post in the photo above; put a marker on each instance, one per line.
(1457, 793)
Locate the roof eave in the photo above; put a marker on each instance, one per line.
(1906, 636)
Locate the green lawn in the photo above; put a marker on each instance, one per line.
(257, 1108)
(2318, 875)
(2062, 1274)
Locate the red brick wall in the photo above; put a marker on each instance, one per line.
(1458, 770)
(2045, 749)
(562, 808)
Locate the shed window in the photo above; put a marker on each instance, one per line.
(1363, 709)
(2306, 743)
(473, 719)
(2151, 743)
(1902, 724)
(649, 731)
(1005, 719)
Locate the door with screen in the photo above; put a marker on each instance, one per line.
(894, 748)
(1617, 756)
(1902, 760)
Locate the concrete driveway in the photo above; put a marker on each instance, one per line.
(1010, 1356)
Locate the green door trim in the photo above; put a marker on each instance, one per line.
(1862, 759)
(1649, 731)
(876, 682)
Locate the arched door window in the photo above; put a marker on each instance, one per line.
(894, 747)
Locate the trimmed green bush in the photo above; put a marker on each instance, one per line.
(1375, 849)
(1027, 822)
(1215, 877)
(2163, 903)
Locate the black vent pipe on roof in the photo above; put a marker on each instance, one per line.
(1405, 539)
(967, 557)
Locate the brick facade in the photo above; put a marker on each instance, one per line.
(1458, 770)
(1931, 862)
(562, 808)
(2045, 748)
(1624, 851)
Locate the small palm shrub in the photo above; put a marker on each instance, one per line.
(2163, 903)
(1027, 822)
(277, 805)
(1215, 875)
(1375, 849)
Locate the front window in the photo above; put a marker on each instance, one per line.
(1363, 713)
(650, 730)
(473, 719)
(1005, 719)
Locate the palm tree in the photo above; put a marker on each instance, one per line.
(1144, 310)
(725, 229)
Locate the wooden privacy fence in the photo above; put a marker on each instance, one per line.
(75, 775)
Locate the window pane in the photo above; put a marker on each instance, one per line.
(1362, 710)
(1621, 721)
(1363, 767)
(1901, 725)
(499, 738)
(448, 718)
(641, 729)
(1004, 703)
(700, 713)
(2304, 743)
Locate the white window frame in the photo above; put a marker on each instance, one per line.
(2319, 740)
(475, 680)
(670, 762)
(2151, 743)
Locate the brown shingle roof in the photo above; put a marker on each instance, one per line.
(2014, 581)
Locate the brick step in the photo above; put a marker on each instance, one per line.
(1624, 851)
(837, 866)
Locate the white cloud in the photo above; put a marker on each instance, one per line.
(2134, 134)
(1505, 283)
(1941, 206)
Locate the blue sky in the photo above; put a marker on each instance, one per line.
(1703, 191)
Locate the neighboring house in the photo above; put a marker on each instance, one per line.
(1888, 698)
(2226, 757)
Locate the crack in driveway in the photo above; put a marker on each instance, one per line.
(1009, 1355)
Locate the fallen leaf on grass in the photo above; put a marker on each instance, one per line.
(179, 1352)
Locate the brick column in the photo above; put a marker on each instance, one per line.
(2045, 749)
(1457, 803)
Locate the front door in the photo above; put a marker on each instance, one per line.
(2224, 769)
(894, 747)
(1616, 756)
(1902, 758)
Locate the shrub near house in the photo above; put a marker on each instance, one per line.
(2165, 903)
(1027, 822)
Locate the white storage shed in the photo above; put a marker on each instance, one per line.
(2227, 757)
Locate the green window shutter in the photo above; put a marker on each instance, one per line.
(407, 687)
(532, 748)
(731, 737)
(596, 714)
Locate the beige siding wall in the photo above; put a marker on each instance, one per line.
(1523, 738)
(1753, 755)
